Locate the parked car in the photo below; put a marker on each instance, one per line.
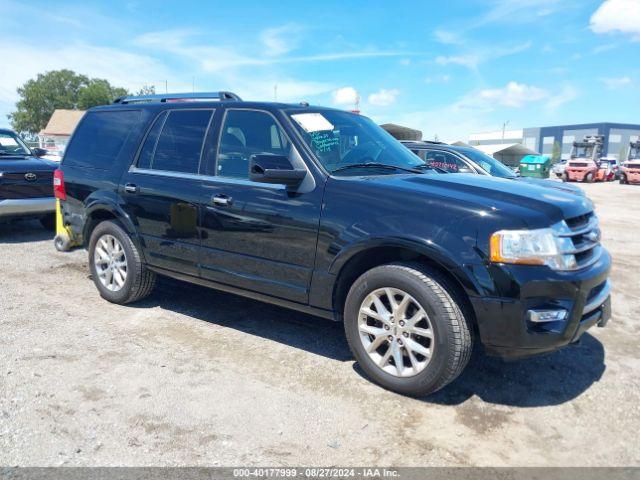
(459, 159)
(558, 168)
(630, 170)
(26, 189)
(321, 211)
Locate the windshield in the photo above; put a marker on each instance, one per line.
(489, 164)
(339, 139)
(11, 144)
(582, 152)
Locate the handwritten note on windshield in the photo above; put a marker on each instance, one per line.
(324, 141)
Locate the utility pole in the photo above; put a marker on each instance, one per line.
(504, 127)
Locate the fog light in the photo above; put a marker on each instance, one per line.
(544, 316)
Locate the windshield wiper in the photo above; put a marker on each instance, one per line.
(374, 165)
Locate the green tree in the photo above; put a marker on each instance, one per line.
(98, 92)
(147, 90)
(40, 96)
(556, 153)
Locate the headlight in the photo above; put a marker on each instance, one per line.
(531, 247)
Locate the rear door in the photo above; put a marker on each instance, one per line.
(257, 236)
(163, 188)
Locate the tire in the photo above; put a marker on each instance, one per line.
(623, 179)
(565, 177)
(589, 178)
(48, 222)
(139, 280)
(450, 346)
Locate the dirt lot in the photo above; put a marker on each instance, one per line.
(195, 377)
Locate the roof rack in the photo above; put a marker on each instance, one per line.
(179, 97)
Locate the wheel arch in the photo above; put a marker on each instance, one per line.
(373, 254)
(99, 211)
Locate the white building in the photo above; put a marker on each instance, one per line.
(55, 136)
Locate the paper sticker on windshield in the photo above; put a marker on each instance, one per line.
(312, 122)
(8, 142)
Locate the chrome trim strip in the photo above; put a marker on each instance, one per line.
(25, 206)
(205, 178)
(599, 299)
(593, 223)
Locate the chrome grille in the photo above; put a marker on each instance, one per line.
(580, 236)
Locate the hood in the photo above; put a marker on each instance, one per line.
(530, 202)
(565, 187)
(25, 164)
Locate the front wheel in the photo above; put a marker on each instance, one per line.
(589, 178)
(565, 177)
(116, 265)
(405, 329)
(623, 179)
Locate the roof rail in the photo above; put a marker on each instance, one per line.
(179, 97)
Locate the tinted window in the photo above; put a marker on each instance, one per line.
(180, 143)
(444, 160)
(246, 133)
(149, 147)
(99, 138)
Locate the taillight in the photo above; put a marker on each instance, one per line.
(58, 185)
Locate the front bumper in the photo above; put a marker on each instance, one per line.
(504, 322)
(19, 207)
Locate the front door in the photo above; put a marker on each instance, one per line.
(257, 236)
(163, 189)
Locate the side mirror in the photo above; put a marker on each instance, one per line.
(276, 169)
(38, 152)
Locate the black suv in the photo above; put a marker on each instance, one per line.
(321, 211)
(25, 182)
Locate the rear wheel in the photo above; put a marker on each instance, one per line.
(405, 329)
(116, 265)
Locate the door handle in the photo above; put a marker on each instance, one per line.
(222, 200)
(131, 188)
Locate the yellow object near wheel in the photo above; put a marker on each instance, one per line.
(63, 240)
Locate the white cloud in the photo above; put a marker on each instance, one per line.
(345, 96)
(384, 97)
(438, 79)
(617, 16)
(566, 95)
(514, 95)
(447, 37)
(280, 40)
(474, 58)
(613, 83)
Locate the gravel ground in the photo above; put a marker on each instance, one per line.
(195, 377)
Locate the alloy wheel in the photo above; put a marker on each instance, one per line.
(111, 262)
(396, 332)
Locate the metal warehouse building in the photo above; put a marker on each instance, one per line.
(559, 139)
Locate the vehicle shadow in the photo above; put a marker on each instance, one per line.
(24, 231)
(539, 381)
(305, 332)
(546, 380)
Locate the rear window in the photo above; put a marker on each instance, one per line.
(175, 141)
(100, 137)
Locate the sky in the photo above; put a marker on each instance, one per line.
(447, 68)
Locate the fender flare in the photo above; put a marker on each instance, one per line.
(440, 257)
(114, 209)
